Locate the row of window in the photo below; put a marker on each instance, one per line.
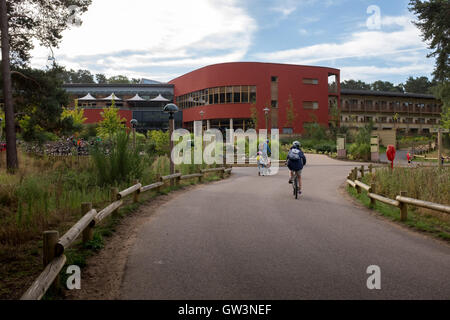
(390, 120)
(218, 95)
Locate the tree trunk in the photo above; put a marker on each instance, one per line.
(11, 149)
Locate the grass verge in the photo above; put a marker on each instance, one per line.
(423, 222)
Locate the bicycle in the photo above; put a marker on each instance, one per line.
(295, 185)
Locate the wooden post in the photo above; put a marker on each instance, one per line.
(136, 193)
(88, 233)
(178, 179)
(49, 252)
(222, 174)
(158, 179)
(362, 171)
(403, 207)
(372, 190)
(114, 193)
(439, 147)
(370, 168)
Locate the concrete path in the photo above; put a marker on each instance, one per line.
(248, 238)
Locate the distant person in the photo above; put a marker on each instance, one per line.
(260, 162)
(296, 160)
(408, 157)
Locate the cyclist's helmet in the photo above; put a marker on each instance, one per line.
(296, 144)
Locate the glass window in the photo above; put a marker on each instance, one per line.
(245, 95)
(237, 94)
(310, 81)
(274, 104)
(222, 95)
(216, 95)
(314, 105)
(288, 131)
(253, 94)
(229, 95)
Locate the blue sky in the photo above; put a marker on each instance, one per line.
(164, 39)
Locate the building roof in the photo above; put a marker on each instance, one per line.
(136, 98)
(112, 97)
(160, 98)
(87, 97)
(386, 94)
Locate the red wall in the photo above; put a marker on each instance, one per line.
(94, 116)
(290, 83)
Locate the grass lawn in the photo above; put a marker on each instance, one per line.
(420, 221)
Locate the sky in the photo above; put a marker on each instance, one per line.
(367, 40)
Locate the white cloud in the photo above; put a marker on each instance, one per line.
(126, 35)
(398, 42)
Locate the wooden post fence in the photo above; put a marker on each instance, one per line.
(49, 251)
(403, 207)
(88, 233)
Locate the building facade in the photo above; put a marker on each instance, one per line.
(143, 102)
(233, 95)
(405, 112)
(238, 95)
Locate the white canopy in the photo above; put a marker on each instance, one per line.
(159, 98)
(87, 97)
(112, 97)
(136, 98)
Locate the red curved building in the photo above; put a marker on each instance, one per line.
(280, 95)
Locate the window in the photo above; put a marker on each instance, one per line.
(215, 95)
(288, 131)
(237, 94)
(244, 94)
(222, 95)
(229, 95)
(274, 79)
(252, 94)
(310, 81)
(311, 105)
(274, 104)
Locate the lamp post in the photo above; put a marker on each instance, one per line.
(266, 112)
(134, 123)
(171, 109)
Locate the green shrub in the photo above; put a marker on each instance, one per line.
(120, 163)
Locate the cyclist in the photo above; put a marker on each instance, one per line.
(296, 160)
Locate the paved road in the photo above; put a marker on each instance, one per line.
(247, 238)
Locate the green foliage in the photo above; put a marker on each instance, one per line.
(442, 92)
(355, 85)
(77, 115)
(89, 131)
(111, 122)
(158, 143)
(118, 162)
(418, 85)
(39, 95)
(434, 23)
(361, 148)
(315, 131)
(39, 21)
(386, 86)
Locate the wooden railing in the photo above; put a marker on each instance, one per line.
(54, 247)
(401, 201)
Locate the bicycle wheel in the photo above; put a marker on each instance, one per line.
(296, 187)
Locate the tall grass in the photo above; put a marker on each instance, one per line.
(429, 184)
(117, 163)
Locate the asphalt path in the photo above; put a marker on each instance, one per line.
(246, 237)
